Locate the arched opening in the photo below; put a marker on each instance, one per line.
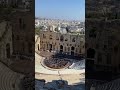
(72, 50)
(90, 53)
(61, 48)
(38, 47)
(8, 50)
(73, 40)
(44, 36)
(44, 47)
(50, 36)
(61, 38)
(50, 49)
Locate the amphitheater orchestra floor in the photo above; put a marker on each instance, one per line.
(71, 75)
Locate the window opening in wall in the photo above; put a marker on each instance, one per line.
(61, 38)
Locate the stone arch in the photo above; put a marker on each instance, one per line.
(50, 45)
(38, 47)
(73, 39)
(72, 50)
(61, 38)
(50, 36)
(61, 48)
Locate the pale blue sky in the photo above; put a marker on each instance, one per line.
(60, 9)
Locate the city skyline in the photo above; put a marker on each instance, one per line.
(59, 9)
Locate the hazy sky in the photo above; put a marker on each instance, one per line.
(60, 9)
